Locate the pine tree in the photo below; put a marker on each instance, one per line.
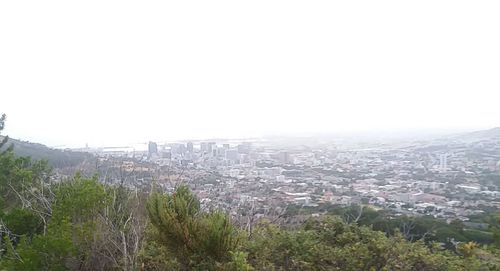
(198, 240)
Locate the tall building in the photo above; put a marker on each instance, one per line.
(182, 149)
(152, 148)
(177, 149)
(221, 151)
(211, 147)
(203, 147)
(244, 148)
(190, 147)
(284, 157)
(232, 155)
(443, 162)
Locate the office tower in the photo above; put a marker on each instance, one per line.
(443, 162)
(190, 147)
(152, 148)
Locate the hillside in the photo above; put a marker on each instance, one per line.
(493, 133)
(56, 158)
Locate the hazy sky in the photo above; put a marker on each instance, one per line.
(112, 72)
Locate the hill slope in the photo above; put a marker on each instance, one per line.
(56, 158)
(493, 133)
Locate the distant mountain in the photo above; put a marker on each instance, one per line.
(493, 133)
(56, 158)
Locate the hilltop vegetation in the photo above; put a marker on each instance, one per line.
(55, 157)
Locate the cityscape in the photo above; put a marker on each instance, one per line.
(448, 177)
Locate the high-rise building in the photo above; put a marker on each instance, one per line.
(221, 151)
(443, 162)
(166, 155)
(203, 147)
(244, 148)
(182, 149)
(284, 157)
(177, 149)
(232, 155)
(190, 147)
(211, 147)
(152, 148)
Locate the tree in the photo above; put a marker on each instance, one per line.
(72, 232)
(122, 226)
(196, 239)
(3, 140)
(331, 244)
(51, 251)
(81, 202)
(22, 222)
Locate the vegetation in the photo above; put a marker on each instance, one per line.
(55, 157)
(425, 227)
(82, 224)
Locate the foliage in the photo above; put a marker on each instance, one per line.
(3, 141)
(154, 256)
(427, 228)
(22, 222)
(331, 244)
(197, 239)
(45, 252)
(55, 157)
(70, 232)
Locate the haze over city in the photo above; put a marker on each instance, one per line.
(118, 72)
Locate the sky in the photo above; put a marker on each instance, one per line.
(118, 72)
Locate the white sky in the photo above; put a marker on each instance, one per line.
(113, 72)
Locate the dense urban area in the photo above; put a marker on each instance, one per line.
(449, 177)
